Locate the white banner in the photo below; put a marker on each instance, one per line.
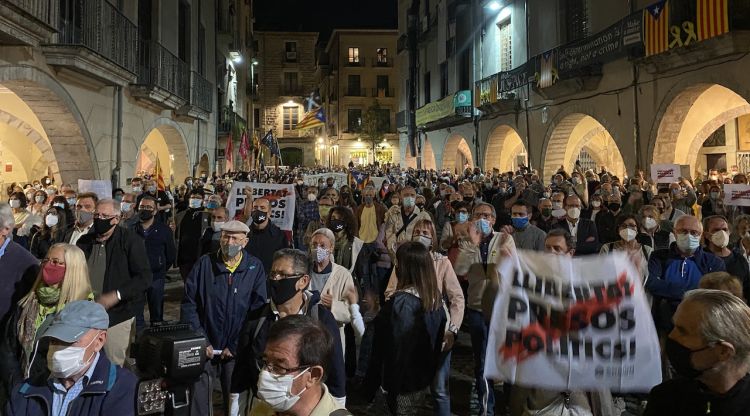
(281, 197)
(339, 179)
(665, 173)
(102, 188)
(563, 323)
(737, 195)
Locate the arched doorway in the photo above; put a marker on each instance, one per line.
(505, 150)
(428, 156)
(41, 130)
(203, 166)
(292, 156)
(705, 126)
(457, 154)
(165, 143)
(580, 137)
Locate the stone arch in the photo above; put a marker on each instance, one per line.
(573, 132)
(174, 138)
(690, 117)
(503, 145)
(47, 162)
(59, 116)
(428, 156)
(453, 146)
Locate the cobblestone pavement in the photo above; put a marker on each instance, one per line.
(461, 378)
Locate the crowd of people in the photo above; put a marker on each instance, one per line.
(366, 295)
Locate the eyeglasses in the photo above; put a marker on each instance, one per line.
(277, 275)
(693, 233)
(99, 216)
(277, 369)
(56, 262)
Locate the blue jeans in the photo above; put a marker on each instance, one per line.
(478, 329)
(441, 397)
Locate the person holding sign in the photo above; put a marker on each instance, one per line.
(710, 351)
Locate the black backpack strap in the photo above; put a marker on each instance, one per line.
(406, 224)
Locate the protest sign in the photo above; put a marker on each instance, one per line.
(665, 173)
(339, 179)
(281, 196)
(563, 323)
(102, 188)
(737, 195)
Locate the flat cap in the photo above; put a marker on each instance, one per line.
(235, 226)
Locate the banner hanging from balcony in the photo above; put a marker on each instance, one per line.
(547, 74)
(435, 111)
(604, 46)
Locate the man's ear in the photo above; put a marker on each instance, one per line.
(316, 375)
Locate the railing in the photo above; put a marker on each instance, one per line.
(201, 95)
(43, 10)
(356, 92)
(358, 62)
(99, 26)
(382, 62)
(161, 68)
(382, 92)
(292, 91)
(228, 119)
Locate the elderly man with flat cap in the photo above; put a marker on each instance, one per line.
(80, 379)
(219, 292)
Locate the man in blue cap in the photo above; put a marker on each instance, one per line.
(81, 380)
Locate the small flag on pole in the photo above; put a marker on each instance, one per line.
(160, 185)
(244, 147)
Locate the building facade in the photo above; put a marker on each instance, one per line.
(95, 90)
(600, 83)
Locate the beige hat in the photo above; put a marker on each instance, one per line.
(235, 226)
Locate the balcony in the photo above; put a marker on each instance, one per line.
(382, 93)
(229, 121)
(356, 92)
(28, 22)
(163, 78)
(95, 39)
(201, 98)
(381, 62)
(355, 63)
(292, 91)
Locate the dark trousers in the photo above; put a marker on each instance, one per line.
(201, 402)
(155, 298)
(479, 329)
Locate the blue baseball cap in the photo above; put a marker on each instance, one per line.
(77, 318)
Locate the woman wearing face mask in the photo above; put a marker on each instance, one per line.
(63, 278)
(346, 198)
(394, 200)
(652, 234)
(52, 232)
(344, 226)
(627, 229)
(18, 205)
(324, 208)
(740, 238)
(409, 333)
(714, 204)
(39, 206)
(447, 284)
(459, 215)
(716, 240)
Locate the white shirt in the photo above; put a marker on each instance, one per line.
(78, 233)
(573, 227)
(593, 214)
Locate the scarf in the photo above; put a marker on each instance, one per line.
(32, 316)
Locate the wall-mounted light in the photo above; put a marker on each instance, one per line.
(235, 56)
(493, 5)
(291, 103)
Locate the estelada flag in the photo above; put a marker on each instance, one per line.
(312, 119)
(712, 18)
(656, 28)
(358, 179)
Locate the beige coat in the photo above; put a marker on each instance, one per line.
(469, 263)
(393, 223)
(447, 283)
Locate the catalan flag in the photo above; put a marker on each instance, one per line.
(160, 185)
(656, 28)
(312, 119)
(358, 180)
(547, 74)
(712, 18)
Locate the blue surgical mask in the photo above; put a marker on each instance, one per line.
(520, 222)
(484, 226)
(462, 217)
(195, 203)
(688, 243)
(409, 201)
(212, 205)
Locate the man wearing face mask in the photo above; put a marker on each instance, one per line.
(709, 349)
(119, 276)
(307, 212)
(265, 237)
(543, 218)
(163, 202)
(673, 272)
(606, 219)
(526, 236)
(400, 220)
(584, 231)
(288, 279)
(81, 380)
(210, 240)
(219, 292)
(717, 240)
(84, 215)
(191, 225)
(129, 212)
(136, 186)
(161, 251)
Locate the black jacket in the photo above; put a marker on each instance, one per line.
(660, 241)
(263, 243)
(605, 225)
(686, 397)
(127, 270)
(586, 229)
(41, 242)
(160, 247)
(737, 266)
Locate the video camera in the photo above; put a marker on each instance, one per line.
(170, 357)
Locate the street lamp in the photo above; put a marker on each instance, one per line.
(253, 64)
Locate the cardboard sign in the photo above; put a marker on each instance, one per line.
(281, 196)
(563, 323)
(738, 195)
(665, 173)
(102, 188)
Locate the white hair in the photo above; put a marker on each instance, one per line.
(325, 232)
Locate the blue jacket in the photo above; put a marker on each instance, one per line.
(216, 301)
(160, 246)
(111, 391)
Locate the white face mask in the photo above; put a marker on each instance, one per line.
(64, 362)
(574, 213)
(277, 390)
(627, 234)
(596, 204)
(217, 225)
(311, 197)
(426, 241)
(720, 238)
(125, 206)
(51, 220)
(649, 223)
(321, 254)
(15, 203)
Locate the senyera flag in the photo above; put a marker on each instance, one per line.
(562, 323)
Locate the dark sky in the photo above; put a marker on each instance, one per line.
(325, 15)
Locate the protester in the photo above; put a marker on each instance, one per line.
(716, 239)
(526, 236)
(627, 229)
(651, 233)
(722, 281)
(400, 220)
(191, 225)
(210, 242)
(19, 267)
(91, 384)
(51, 233)
(585, 232)
(85, 204)
(266, 238)
(219, 292)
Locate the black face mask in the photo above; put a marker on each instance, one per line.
(679, 357)
(259, 217)
(613, 206)
(102, 226)
(420, 206)
(468, 199)
(145, 214)
(282, 290)
(337, 225)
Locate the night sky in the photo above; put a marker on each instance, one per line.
(325, 15)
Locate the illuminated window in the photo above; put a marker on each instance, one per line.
(505, 44)
(291, 117)
(353, 55)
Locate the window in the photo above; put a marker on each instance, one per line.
(427, 88)
(291, 117)
(201, 50)
(290, 48)
(353, 55)
(384, 119)
(576, 21)
(256, 118)
(354, 89)
(382, 54)
(382, 86)
(183, 45)
(354, 117)
(505, 44)
(291, 82)
(464, 70)
(443, 79)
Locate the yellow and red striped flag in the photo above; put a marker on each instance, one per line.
(656, 28)
(160, 184)
(712, 18)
